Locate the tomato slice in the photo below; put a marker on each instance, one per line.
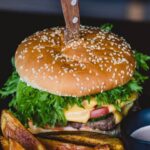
(99, 112)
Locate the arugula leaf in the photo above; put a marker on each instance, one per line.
(134, 86)
(107, 27)
(41, 107)
(10, 87)
(142, 60)
(13, 62)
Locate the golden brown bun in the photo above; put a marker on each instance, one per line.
(96, 62)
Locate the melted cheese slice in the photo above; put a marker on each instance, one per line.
(78, 114)
(118, 117)
(82, 115)
(91, 104)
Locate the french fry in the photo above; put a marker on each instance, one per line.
(104, 147)
(4, 143)
(13, 129)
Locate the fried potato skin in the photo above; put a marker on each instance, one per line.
(10, 144)
(13, 129)
(83, 138)
(58, 145)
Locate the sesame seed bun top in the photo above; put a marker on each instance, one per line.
(96, 62)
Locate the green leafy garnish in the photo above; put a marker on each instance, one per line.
(107, 27)
(10, 87)
(44, 108)
(142, 61)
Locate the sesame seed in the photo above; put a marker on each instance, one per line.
(87, 78)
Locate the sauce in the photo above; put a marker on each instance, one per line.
(142, 133)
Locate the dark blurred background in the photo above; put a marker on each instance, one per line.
(115, 9)
(20, 18)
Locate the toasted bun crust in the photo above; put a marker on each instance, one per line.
(96, 62)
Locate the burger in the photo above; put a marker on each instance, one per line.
(87, 84)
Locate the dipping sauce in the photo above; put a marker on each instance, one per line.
(142, 133)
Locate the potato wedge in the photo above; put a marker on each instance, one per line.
(9, 144)
(13, 129)
(82, 138)
(4, 143)
(63, 145)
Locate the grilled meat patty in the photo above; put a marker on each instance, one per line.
(104, 124)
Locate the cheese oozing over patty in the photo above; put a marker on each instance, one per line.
(82, 114)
